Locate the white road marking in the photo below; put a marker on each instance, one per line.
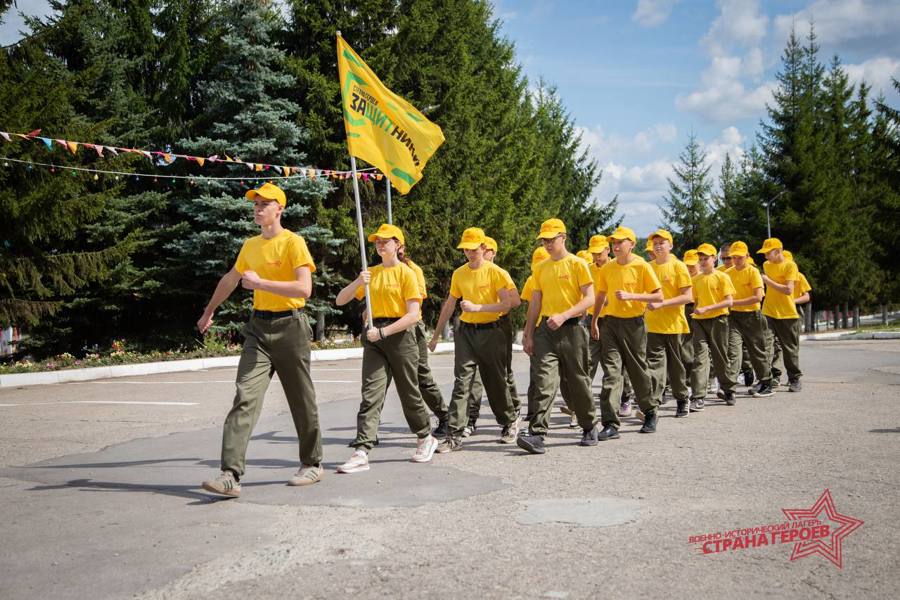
(105, 402)
(231, 381)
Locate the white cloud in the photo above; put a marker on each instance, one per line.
(640, 189)
(740, 23)
(608, 147)
(860, 24)
(731, 86)
(876, 72)
(652, 13)
(729, 142)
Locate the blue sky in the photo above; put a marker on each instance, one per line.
(639, 75)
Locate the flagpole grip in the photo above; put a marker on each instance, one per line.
(362, 239)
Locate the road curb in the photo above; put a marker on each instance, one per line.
(169, 366)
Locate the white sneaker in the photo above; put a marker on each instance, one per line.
(358, 462)
(425, 448)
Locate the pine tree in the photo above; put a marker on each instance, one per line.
(688, 206)
(247, 115)
(45, 257)
(884, 171)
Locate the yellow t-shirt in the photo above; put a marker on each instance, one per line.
(481, 286)
(672, 276)
(745, 282)
(801, 287)
(637, 277)
(390, 289)
(776, 304)
(420, 279)
(595, 271)
(275, 259)
(723, 267)
(710, 289)
(527, 289)
(560, 282)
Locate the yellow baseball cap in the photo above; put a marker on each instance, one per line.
(622, 233)
(387, 231)
(472, 238)
(597, 244)
(268, 191)
(491, 243)
(585, 255)
(649, 246)
(707, 249)
(539, 255)
(738, 249)
(788, 254)
(769, 245)
(661, 233)
(551, 228)
(690, 258)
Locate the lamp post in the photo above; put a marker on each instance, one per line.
(769, 204)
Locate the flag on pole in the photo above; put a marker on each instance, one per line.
(383, 129)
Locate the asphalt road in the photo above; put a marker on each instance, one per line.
(99, 484)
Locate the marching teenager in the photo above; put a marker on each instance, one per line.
(781, 277)
(746, 324)
(277, 266)
(626, 285)
(431, 393)
(666, 324)
(390, 350)
(713, 295)
(562, 293)
(539, 255)
(485, 292)
(477, 389)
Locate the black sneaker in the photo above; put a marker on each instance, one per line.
(763, 390)
(589, 437)
(730, 400)
(608, 433)
(794, 385)
(748, 378)
(720, 394)
(682, 409)
(532, 444)
(440, 432)
(650, 420)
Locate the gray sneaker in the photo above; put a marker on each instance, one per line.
(306, 475)
(451, 444)
(696, 405)
(225, 484)
(794, 385)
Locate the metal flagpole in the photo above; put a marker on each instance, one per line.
(362, 239)
(387, 180)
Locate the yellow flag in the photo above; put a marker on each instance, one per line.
(383, 129)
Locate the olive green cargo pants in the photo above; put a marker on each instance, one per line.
(279, 345)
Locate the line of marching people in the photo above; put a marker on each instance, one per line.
(650, 325)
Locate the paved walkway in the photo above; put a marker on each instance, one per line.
(99, 484)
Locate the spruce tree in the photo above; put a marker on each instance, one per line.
(246, 117)
(687, 212)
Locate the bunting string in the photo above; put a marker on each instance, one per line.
(166, 158)
(365, 176)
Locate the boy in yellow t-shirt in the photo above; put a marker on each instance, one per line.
(625, 285)
(278, 267)
(781, 276)
(713, 295)
(477, 389)
(485, 292)
(562, 293)
(667, 325)
(746, 324)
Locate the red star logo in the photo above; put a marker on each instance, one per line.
(830, 547)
